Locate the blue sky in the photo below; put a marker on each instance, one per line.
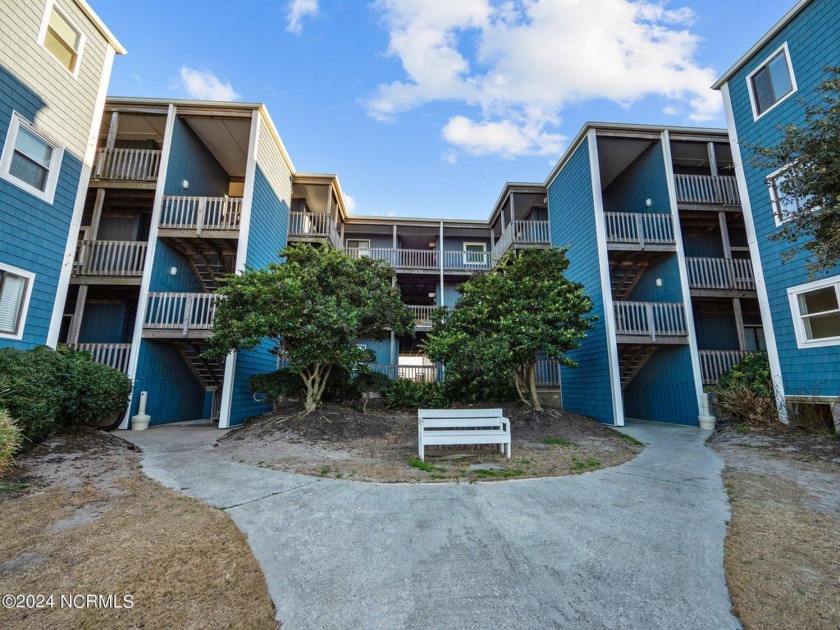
(427, 107)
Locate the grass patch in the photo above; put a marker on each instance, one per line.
(628, 438)
(419, 464)
(325, 470)
(438, 476)
(582, 465)
(556, 441)
(504, 473)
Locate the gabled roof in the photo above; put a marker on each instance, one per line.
(761, 42)
(100, 25)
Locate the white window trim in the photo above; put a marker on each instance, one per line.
(48, 194)
(483, 258)
(802, 341)
(774, 200)
(24, 307)
(753, 100)
(42, 36)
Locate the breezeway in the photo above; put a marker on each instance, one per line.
(635, 546)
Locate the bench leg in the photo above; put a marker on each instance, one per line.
(508, 450)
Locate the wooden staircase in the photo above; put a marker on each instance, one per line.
(631, 360)
(209, 372)
(210, 267)
(624, 276)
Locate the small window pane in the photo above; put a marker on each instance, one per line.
(32, 173)
(64, 30)
(763, 90)
(823, 326)
(33, 147)
(60, 50)
(780, 76)
(819, 301)
(62, 40)
(11, 297)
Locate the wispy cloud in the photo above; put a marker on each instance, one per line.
(299, 9)
(529, 59)
(205, 85)
(349, 203)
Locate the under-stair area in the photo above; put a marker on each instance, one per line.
(631, 360)
(210, 259)
(209, 372)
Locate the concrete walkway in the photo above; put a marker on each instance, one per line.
(636, 546)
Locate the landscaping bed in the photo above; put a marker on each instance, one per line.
(79, 517)
(783, 547)
(381, 445)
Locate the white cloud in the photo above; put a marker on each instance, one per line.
(204, 85)
(520, 62)
(299, 9)
(349, 203)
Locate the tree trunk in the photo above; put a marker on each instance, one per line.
(532, 384)
(520, 385)
(314, 381)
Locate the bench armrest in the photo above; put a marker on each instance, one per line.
(506, 424)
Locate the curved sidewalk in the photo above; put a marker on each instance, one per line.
(636, 546)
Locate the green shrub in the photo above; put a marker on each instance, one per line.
(746, 391)
(276, 386)
(11, 440)
(367, 382)
(50, 389)
(340, 387)
(475, 389)
(405, 394)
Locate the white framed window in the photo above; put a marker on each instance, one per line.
(815, 308)
(358, 247)
(475, 253)
(30, 161)
(785, 206)
(62, 38)
(772, 82)
(15, 291)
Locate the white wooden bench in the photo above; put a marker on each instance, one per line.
(436, 427)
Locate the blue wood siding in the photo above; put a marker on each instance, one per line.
(33, 233)
(813, 39)
(174, 392)
(451, 295)
(382, 349)
(191, 160)
(664, 389)
(106, 323)
(267, 236)
(715, 331)
(162, 279)
(644, 179)
(586, 389)
(668, 271)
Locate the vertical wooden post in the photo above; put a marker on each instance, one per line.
(188, 314)
(97, 214)
(112, 130)
(739, 324)
(78, 314)
(199, 218)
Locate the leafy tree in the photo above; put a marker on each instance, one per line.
(314, 306)
(505, 318)
(813, 153)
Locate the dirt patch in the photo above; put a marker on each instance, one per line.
(783, 547)
(381, 445)
(89, 522)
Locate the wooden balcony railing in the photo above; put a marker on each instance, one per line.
(201, 213)
(423, 373)
(313, 225)
(466, 261)
(637, 228)
(522, 233)
(183, 312)
(715, 363)
(400, 258)
(112, 354)
(707, 189)
(720, 273)
(650, 319)
(110, 258)
(422, 315)
(135, 165)
(547, 373)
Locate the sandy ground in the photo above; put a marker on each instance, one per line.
(381, 445)
(89, 522)
(783, 547)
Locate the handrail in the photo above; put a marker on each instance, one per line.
(201, 213)
(707, 189)
(715, 363)
(639, 228)
(139, 165)
(522, 233)
(184, 311)
(424, 373)
(112, 354)
(720, 273)
(110, 258)
(314, 224)
(399, 258)
(422, 314)
(650, 319)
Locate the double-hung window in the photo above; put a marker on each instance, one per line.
(63, 39)
(15, 288)
(772, 82)
(816, 312)
(30, 161)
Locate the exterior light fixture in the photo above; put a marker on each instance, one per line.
(173, 271)
(659, 282)
(648, 202)
(185, 184)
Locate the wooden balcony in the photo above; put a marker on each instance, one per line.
(522, 234)
(133, 167)
(650, 322)
(716, 276)
(401, 259)
(313, 227)
(701, 191)
(420, 373)
(109, 262)
(179, 315)
(422, 316)
(640, 231)
(113, 354)
(200, 217)
(714, 363)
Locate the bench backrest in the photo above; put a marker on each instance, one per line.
(459, 418)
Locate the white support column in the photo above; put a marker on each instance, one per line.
(441, 265)
(686, 292)
(394, 236)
